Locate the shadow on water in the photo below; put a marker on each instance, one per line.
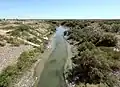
(52, 74)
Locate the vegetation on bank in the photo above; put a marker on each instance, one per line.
(9, 75)
(21, 33)
(25, 61)
(96, 63)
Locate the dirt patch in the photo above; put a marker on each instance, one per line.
(9, 55)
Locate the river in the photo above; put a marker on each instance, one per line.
(52, 74)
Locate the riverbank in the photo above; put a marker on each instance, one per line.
(20, 73)
(30, 77)
(68, 64)
(96, 58)
(52, 74)
(41, 62)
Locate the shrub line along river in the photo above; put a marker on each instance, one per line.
(52, 74)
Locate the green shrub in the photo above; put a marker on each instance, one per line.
(86, 45)
(94, 64)
(97, 36)
(115, 28)
(14, 41)
(7, 76)
(107, 40)
(34, 40)
(9, 27)
(4, 23)
(19, 29)
(92, 85)
(106, 28)
(25, 61)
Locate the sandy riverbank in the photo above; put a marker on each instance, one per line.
(39, 66)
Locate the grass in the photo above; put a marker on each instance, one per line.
(25, 61)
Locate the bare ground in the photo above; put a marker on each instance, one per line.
(9, 55)
(30, 78)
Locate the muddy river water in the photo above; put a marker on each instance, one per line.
(52, 74)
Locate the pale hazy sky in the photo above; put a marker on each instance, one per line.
(63, 9)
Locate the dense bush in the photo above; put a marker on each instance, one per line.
(112, 27)
(115, 28)
(95, 59)
(92, 85)
(95, 36)
(106, 28)
(86, 45)
(93, 66)
(107, 40)
(74, 23)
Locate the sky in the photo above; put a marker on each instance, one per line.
(60, 9)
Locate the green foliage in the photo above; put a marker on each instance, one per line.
(25, 60)
(19, 29)
(14, 41)
(86, 45)
(8, 27)
(74, 23)
(34, 40)
(95, 36)
(94, 64)
(52, 28)
(115, 28)
(107, 40)
(92, 85)
(4, 23)
(7, 76)
(106, 28)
